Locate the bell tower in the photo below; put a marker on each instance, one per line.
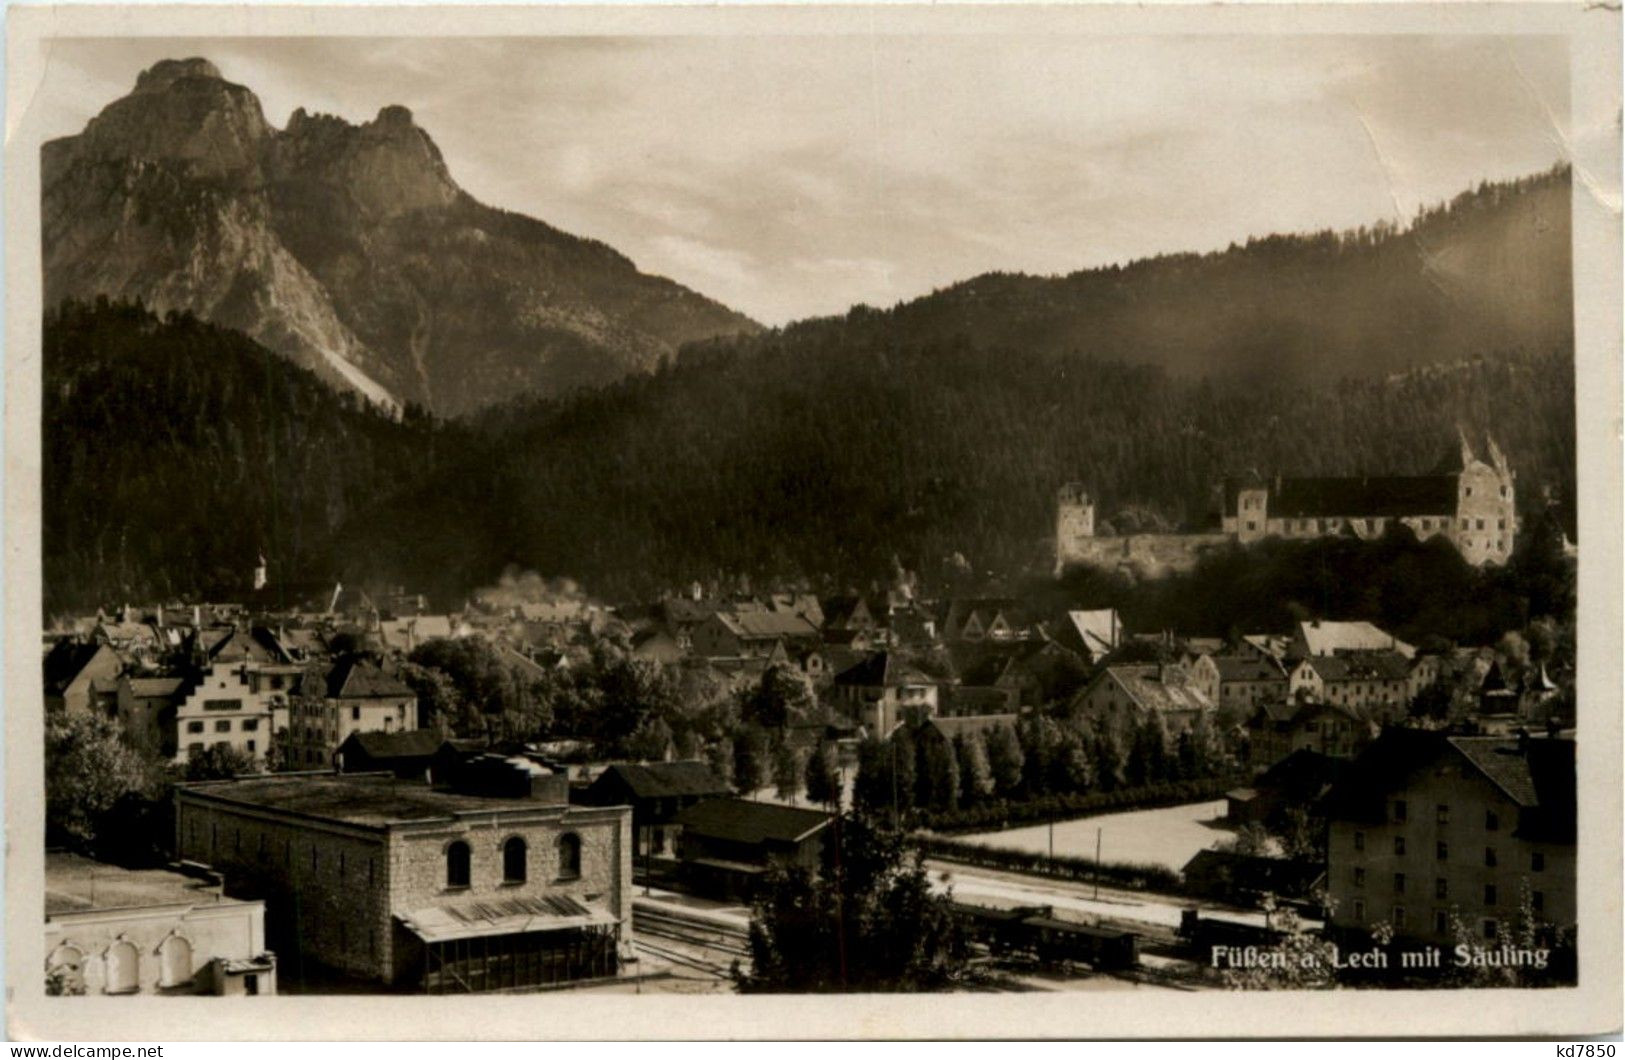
(1074, 524)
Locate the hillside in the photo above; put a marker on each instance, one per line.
(350, 249)
(823, 453)
(818, 452)
(175, 451)
(1490, 270)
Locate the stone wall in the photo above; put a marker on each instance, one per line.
(1146, 555)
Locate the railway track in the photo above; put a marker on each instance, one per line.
(693, 942)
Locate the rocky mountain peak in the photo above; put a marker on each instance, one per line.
(166, 72)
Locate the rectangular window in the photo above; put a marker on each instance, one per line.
(1399, 811)
(1537, 861)
(1399, 845)
(1441, 888)
(1399, 918)
(1480, 524)
(355, 713)
(1488, 928)
(1537, 899)
(251, 745)
(1359, 911)
(1442, 814)
(223, 725)
(222, 704)
(251, 724)
(1489, 857)
(194, 726)
(1442, 853)
(1489, 894)
(1359, 877)
(1399, 883)
(1441, 922)
(1491, 821)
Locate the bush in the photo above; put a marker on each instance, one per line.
(1003, 813)
(1140, 876)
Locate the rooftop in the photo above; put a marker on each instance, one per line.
(77, 884)
(751, 822)
(372, 799)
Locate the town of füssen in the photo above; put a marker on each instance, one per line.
(722, 504)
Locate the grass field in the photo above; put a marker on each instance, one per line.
(1167, 836)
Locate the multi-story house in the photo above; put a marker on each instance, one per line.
(1279, 728)
(1124, 695)
(882, 692)
(223, 708)
(354, 695)
(751, 634)
(1373, 684)
(1426, 830)
(496, 883)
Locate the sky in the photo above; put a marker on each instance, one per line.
(790, 177)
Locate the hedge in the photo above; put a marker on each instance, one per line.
(1004, 813)
(1136, 875)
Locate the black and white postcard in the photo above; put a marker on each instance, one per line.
(952, 521)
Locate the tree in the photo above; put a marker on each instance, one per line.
(936, 773)
(1071, 768)
(975, 775)
(784, 696)
(1109, 759)
(1301, 960)
(823, 775)
(871, 788)
(220, 761)
(752, 767)
(1250, 840)
(1005, 759)
(440, 705)
(1300, 835)
(719, 758)
(652, 742)
(867, 922)
(787, 766)
(88, 771)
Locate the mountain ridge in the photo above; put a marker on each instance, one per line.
(349, 248)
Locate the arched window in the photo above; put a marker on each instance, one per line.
(123, 969)
(65, 970)
(513, 860)
(569, 856)
(174, 962)
(457, 858)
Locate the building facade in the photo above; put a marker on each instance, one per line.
(223, 709)
(1470, 502)
(433, 889)
(112, 930)
(354, 696)
(1429, 831)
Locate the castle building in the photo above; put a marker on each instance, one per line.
(1468, 502)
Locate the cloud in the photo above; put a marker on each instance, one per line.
(790, 177)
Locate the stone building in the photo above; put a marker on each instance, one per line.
(442, 890)
(113, 930)
(882, 692)
(1123, 696)
(1427, 827)
(1467, 501)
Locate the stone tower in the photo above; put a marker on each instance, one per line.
(1074, 524)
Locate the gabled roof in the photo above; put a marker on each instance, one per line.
(155, 687)
(1098, 632)
(766, 625)
(883, 669)
(1253, 666)
(1145, 684)
(742, 821)
(839, 611)
(660, 780)
(1361, 666)
(67, 660)
(1328, 638)
(1388, 496)
(356, 678)
(413, 743)
(1537, 775)
(983, 724)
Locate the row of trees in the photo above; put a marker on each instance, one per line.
(1037, 757)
